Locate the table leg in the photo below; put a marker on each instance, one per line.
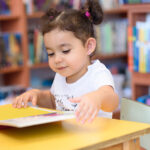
(132, 144)
(128, 145)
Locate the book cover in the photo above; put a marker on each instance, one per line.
(30, 116)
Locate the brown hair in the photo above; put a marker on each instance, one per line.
(73, 20)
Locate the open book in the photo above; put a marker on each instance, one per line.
(24, 117)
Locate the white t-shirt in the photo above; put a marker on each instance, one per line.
(96, 76)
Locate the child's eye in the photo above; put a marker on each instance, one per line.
(66, 51)
(50, 54)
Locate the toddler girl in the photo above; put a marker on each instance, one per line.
(80, 85)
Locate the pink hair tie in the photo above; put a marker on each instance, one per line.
(87, 13)
(51, 17)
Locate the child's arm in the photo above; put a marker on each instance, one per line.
(42, 98)
(89, 104)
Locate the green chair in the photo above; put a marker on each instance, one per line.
(135, 111)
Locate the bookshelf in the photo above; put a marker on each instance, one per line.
(19, 23)
(16, 22)
(140, 82)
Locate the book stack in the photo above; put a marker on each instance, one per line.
(108, 33)
(139, 47)
(37, 50)
(10, 49)
(4, 7)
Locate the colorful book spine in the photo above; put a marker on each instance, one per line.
(135, 50)
(121, 2)
(147, 49)
(130, 48)
(142, 60)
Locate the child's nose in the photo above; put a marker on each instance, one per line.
(58, 58)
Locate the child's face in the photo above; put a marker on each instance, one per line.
(67, 54)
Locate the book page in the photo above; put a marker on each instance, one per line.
(23, 117)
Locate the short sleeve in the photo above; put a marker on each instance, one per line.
(103, 77)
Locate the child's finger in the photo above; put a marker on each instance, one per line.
(83, 112)
(87, 115)
(93, 116)
(34, 101)
(79, 109)
(19, 104)
(14, 104)
(26, 101)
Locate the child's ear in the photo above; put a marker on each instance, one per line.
(90, 45)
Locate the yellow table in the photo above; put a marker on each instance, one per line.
(103, 134)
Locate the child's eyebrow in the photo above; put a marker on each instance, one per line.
(64, 44)
(48, 48)
(59, 46)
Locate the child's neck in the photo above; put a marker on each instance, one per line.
(73, 78)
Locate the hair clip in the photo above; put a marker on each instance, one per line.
(51, 17)
(87, 13)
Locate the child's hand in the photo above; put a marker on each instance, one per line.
(88, 107)
(23, 99)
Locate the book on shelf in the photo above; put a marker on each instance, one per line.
(11, 49)
(130, 48)
(139, 52)
(37, 50)
(4, 7)
(109, 4)
(109, 33)
(30, 116)
(121, 2)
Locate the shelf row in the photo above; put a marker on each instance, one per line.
(120, 10)
(43, 65)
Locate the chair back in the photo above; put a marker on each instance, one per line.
(132, 110)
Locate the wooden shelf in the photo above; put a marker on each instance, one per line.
(140, 84)
(35, 15)
(10, 70)
(111, 56)
(36, 66)
(116, 11)
(7, 17)
(141, 78)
